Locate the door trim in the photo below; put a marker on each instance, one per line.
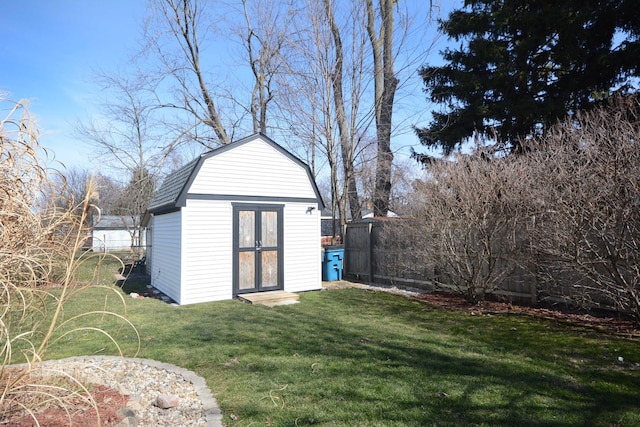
(258, 208)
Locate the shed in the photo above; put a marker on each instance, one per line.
(242, 218)
(112, 232)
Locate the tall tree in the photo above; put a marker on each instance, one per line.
(350, 54)
(520, 66)
(385, 85)
(346, 130)
(217, 94)
(306, 102)
(263, 42)
(134, 201)
(181, 24)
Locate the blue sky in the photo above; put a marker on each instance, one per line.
(50, 49)
(47, 54)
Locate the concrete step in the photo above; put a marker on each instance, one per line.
(270, 298)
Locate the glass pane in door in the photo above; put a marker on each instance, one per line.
(269, 229)
(247, 244)
(246, 229)
(247, 270)
(269, 268)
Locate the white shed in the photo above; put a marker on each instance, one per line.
(240, 219)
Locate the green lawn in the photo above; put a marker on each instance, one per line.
(359, 358)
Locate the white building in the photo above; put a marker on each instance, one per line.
(240, 219)
(112, 232)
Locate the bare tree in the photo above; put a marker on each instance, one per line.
(319, 97)
(263, 42)
(404, 171)
(128, 140)
(403, 175)
(184, 22)
(109, 193)
(361, 43)
(105, 192)
(347, 130)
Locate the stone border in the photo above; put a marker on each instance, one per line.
(212, 413)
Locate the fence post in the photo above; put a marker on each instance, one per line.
(370, 251)
(533, 288)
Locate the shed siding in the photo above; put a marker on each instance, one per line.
(269, 173)
(302, 251)
(208, 251)
(148, 234)
(167, 250)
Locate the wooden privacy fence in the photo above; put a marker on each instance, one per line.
(369, 258)
(358, 247)
(373, 256)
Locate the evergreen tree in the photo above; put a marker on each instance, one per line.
(519, 66)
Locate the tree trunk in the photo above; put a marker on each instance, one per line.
(346, 144)
(386, 84)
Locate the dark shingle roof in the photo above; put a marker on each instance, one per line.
(171, 188)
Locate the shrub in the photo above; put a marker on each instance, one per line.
(462, 223)
(567, 208)
(586, 190)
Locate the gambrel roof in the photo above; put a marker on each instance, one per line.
(169, 192)
(173, 191)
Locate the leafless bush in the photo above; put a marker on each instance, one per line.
(41, 238)
(586, 190)
(463, 222)
(567, 209)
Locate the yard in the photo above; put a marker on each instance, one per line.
(358, 358)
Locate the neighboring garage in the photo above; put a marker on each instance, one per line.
(112, 232)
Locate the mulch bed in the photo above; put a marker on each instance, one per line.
(76, 412)
(602, 321)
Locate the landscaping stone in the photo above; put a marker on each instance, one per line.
(166, 401)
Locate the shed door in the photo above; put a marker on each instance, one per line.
(257, 259)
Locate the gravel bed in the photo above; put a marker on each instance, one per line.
(143, 380)
(404, 291)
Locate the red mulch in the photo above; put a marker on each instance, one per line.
(81, 413)
(604, 321)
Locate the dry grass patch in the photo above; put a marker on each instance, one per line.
(42, 230)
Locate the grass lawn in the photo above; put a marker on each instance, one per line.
(359, 358)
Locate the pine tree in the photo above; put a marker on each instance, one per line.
(519, 66)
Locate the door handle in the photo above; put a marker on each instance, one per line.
(258, 245)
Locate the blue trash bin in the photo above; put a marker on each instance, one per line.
(332, 264)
